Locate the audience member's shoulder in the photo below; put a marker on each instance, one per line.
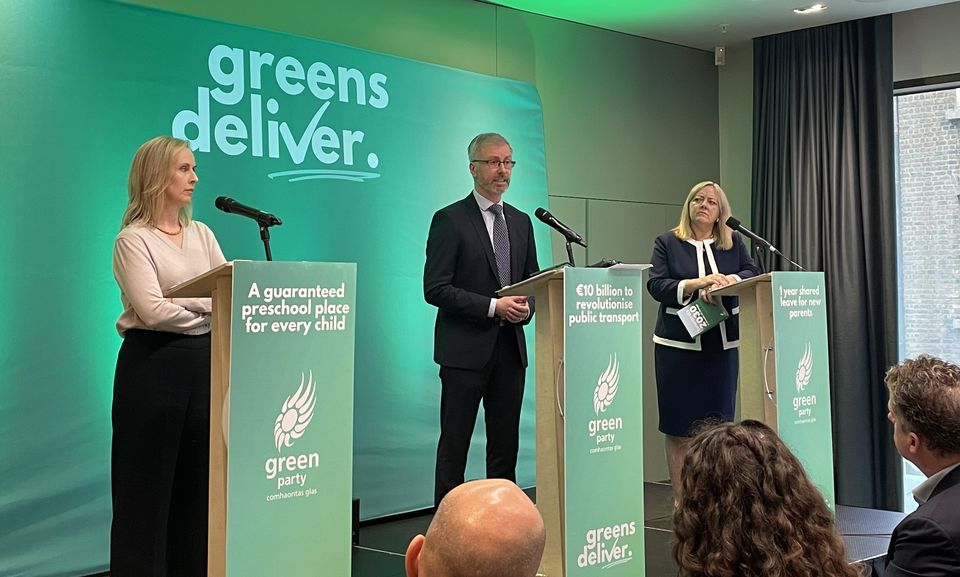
(945, 504)
(921, 545)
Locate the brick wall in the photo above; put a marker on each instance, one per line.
(928, 183)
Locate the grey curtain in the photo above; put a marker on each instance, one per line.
(824, 194)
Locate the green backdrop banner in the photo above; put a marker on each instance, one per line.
(603, 422)
(803, 373)
(353, 150)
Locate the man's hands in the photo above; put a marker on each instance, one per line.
(513, 309)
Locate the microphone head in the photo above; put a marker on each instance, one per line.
(733, 223)
(223, 203)
(543, 215)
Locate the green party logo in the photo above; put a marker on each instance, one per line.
(606, 386)
(803, 404)
(296, 412)
(604, 430)
(245, 80)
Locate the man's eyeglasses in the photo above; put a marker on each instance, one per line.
(497, 163)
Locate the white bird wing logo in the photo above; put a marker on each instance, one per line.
(804, 369)
(606, 386)
(295, 414)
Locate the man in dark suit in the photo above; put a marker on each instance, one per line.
(476, 246)
(924, 407)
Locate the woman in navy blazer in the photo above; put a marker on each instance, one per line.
(696, 377)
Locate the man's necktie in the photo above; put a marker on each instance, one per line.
(501, 244)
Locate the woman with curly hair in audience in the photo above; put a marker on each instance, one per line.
(747, 509)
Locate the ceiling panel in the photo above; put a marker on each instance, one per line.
(705, 24)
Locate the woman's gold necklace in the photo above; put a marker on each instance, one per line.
(179, 230)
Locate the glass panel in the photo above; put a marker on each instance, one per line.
(927, 147)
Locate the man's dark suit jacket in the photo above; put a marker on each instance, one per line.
(927, 542)
(460, 278)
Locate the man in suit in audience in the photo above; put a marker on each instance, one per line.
(476, 246)
(924, 407)
(485, 528)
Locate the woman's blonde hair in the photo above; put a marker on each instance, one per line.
(722, 233)
(149, 176)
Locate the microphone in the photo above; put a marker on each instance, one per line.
(227, 204)
(735, 225)
(563, 229)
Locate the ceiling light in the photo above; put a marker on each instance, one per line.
(812, 9)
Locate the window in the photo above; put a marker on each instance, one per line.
(927, 151)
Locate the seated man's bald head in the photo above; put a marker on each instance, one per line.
(486, 528)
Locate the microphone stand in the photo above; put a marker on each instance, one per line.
(756, 250)
(570, 253)
(774, 251)
(265, 225)
(791, 262)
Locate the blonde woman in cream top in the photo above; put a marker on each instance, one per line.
(161, 389)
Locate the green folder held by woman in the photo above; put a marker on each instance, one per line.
(700, 316)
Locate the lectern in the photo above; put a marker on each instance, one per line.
(281, 416)
(784, 365)
(589, 425)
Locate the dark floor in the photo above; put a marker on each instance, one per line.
(866, 533)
